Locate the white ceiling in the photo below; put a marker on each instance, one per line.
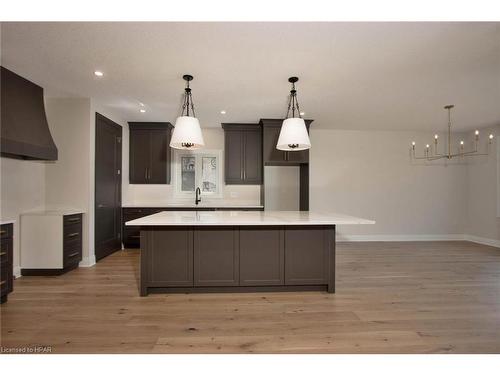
(352, 75)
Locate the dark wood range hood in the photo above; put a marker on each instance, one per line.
(24, 129)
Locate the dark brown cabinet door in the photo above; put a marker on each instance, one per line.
(160, 157)
(216, 257)
(243, 154)
(233, 140)
(252, 146)
(170, 257)
(140, 156)
(306, 256)
(262, 256)
(271, 154)
(150, 154)
(297, 156)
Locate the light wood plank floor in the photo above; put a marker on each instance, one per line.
(425, 297)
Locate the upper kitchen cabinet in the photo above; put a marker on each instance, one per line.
(243, 154)
(150, 154)
(272, 156)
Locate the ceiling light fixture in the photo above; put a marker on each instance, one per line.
(434, 154)
(293, 134)
(222, 112)
(142, 110)
(98, 73)
(187, 132)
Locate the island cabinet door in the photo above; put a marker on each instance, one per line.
(306, 256)
(170, 254)
(262, 256)
(216, 257)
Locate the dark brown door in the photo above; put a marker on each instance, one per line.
(140, 156)
(108, 186)
(252, 157)
(234, 156)
(159, 159)
(306, 256)
(216, 257)
(262, 256)
(271, 154)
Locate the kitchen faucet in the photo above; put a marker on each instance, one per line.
(198, 196)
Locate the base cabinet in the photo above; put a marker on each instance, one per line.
(262, 256)
(6, 261)
(170, 257)
(216, 257)
(249, 258)
(306, 256)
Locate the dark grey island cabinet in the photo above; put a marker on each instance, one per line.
(150, 153)
(237, 258)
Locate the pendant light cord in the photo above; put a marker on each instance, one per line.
(293, 103)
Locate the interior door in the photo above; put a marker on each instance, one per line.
(108, 164)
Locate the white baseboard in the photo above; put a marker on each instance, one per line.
(87, 261)
(17, 272)
(482, 240)
(399, 237)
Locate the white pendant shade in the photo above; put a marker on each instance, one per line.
(293, 135)
(187, 134)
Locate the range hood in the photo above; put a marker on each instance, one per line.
(24, 131)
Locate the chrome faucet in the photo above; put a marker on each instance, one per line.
(198, 196)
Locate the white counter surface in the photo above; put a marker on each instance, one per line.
(55, 212)
(207, 218)
(192, 205)
(7, 221)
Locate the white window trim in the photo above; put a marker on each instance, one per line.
(178, 193)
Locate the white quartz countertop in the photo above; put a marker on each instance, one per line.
(207, 218)
(7, 221)
(192, 205)
(55, 212)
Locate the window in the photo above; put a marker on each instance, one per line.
(198, 168)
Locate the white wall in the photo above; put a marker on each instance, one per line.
(482, 194)
(67, 179)
(22, 189)
(134, 194)
(369, 174)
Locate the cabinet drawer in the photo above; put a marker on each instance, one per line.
(72, 219)
(6, 251)
(72, 233)
(5, 279)
(72, 255)
(6, 231)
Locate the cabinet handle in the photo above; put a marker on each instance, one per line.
(3, 232)
(72, 255)
(74, 219)
(3, 253)
(149, 174)
(73, 234)
(3, 282)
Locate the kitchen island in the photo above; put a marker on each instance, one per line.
(216, 251)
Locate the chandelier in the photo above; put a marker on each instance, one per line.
(293, 134)
(187, 132)
(432, 153)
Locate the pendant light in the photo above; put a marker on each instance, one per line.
(187, 132)
(293, 134)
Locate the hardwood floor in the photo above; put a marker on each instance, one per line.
(420, 297)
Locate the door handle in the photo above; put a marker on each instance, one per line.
(101, 205)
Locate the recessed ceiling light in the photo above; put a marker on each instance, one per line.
(302, 113)
(222, 112)
(142, 110)
(141, 104)
(98, 73)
